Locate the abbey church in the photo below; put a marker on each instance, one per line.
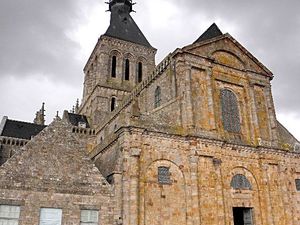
(193, 140)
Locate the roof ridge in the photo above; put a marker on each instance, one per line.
(19, 121)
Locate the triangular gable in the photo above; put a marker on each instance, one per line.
(227, 43)
(212, 32)
(53, 161)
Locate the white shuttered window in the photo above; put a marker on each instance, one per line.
(9, 215)
(89, 217)
(50, 216)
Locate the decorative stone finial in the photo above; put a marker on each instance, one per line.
(40, 116)
(77, 106)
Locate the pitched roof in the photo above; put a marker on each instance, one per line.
(75, 119)
(212, 32)
(285, 137)
(20, 129)
(123, 27)
(59, 164)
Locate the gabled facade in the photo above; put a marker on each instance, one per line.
(192, 140)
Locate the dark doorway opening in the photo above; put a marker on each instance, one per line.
(242, 216)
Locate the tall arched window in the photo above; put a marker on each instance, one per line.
(239, 181)
(230, 111)
(112, 104)
(140, 72)
(113, 66)
(127, 69)
(157, 97)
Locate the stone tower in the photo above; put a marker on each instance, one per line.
(120, 60)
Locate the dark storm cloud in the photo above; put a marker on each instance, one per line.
(268, 29)
(33, 38)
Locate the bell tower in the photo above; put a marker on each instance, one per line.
(121, 59)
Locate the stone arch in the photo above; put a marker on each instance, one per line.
(141, 65)
(116, 53)
(141, 59)
(228, 58)
(164, 203)
(128, 66)
(245, 198)
(240, 181)
(129, 56)
(115, 63)
(247, 173)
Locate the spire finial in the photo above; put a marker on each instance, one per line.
(125, 4)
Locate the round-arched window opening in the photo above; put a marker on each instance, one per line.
(240, 182)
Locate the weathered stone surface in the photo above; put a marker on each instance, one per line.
(53, 170)
(185, 134)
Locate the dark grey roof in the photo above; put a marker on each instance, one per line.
(212, 32)
(22, 130)
(74, 119)
(123, 27)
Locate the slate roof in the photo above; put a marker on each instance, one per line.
(74, 119)
(123, 27)
(20, 129)
(212, 32)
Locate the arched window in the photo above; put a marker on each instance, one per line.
(112, 104)
(239, 181)
(230, 111)
(127, 69)
(157, 97)
(140, 72)
(113, 66)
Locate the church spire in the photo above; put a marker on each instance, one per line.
(122, 25)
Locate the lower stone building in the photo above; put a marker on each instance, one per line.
(52, 181)
(193, 140)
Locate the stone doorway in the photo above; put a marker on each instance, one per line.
(242, 216)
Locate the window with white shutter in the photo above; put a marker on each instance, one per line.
(50, 216)
(89, 217)
(9, 215)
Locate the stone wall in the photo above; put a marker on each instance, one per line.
(54, 171)
(186, 134)
(9, 146)
(31, 202)
(201, 171)
(100, 86)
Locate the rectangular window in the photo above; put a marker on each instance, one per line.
(9, 215)
(297, 182)
(164, 175)
(50, 216)
(89, 217)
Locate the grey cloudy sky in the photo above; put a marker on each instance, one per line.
(45, 44)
